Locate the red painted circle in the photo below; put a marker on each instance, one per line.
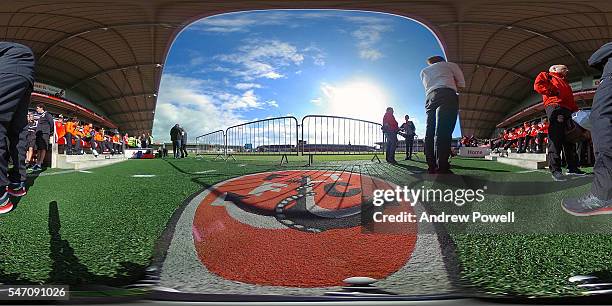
(241, 252)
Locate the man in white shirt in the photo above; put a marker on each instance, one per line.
(441, 81)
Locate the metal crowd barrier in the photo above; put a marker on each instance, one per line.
(212, 143)
(333, 135)
(273, 136)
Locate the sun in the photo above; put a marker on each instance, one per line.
(358, 99)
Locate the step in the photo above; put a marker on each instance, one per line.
(528, 156)
(100, 162)
(86, 157)
(523, 163)
(86, 161)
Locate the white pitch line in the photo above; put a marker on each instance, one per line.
(85, 171)
(205, 171)
(143, 175)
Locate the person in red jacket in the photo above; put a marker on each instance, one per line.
(559, 105)
(390, 128)
(542, 130)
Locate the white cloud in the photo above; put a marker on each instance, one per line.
(317, 101)
(245, 86)
(368, 36)
(231, 23)
(248, 100)
(272, 103)
(261, 59)
(198, 106)
(317, 55)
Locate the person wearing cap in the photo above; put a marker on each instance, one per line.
(598, 200)
(441, 80)
(559, 104)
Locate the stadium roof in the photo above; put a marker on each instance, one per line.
(113, 51)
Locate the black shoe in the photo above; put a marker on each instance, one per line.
(576, 171)
(558, 176)
(587, 205)
(432, 170)
(445, 171)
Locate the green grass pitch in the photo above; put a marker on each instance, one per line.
(100, 226)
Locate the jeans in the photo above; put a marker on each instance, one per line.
(442, 108)
(391, 145)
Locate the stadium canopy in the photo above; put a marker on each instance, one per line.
(113, 52)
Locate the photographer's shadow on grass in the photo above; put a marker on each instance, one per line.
(67, 268)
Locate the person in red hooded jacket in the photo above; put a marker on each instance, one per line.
(559, 105)
(390, 128)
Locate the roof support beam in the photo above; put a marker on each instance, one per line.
(482, 94)
(144, 94)
(527, 30)
(516, 73)
(138, 111)
(104, 28)
(480, 110)
(105, 71)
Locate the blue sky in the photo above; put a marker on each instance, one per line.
(234, 68)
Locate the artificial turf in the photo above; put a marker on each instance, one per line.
(101, 226)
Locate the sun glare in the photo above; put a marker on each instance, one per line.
(361, 100)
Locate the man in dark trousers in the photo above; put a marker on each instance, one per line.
(16, 83)
(409, 131)
(559, 105)
(599, 200)
(441, 80)
(44, 129)
(183, 143)
(390, 128)
(176, 136)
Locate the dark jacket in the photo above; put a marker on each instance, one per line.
(45, 123)
(408, 128)
(175, 133)
(184, 136)
(17, 59)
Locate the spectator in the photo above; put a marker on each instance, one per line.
(16, 83)
(441, 81)
(409, 132)
(176, 136)
(542, 135)
(599, 199)
(99, 140)
(559, 105)
(71, 127)
(30, 140)
(143, 141)
(126, 141)
(390, 128)
(183, 143)
(43, 134)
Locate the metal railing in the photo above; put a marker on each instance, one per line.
(272, 136)
(212, 143)
(320, 135)
(334, 135)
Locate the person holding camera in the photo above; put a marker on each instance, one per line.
(559, 105)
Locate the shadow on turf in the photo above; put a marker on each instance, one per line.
(68, 269)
